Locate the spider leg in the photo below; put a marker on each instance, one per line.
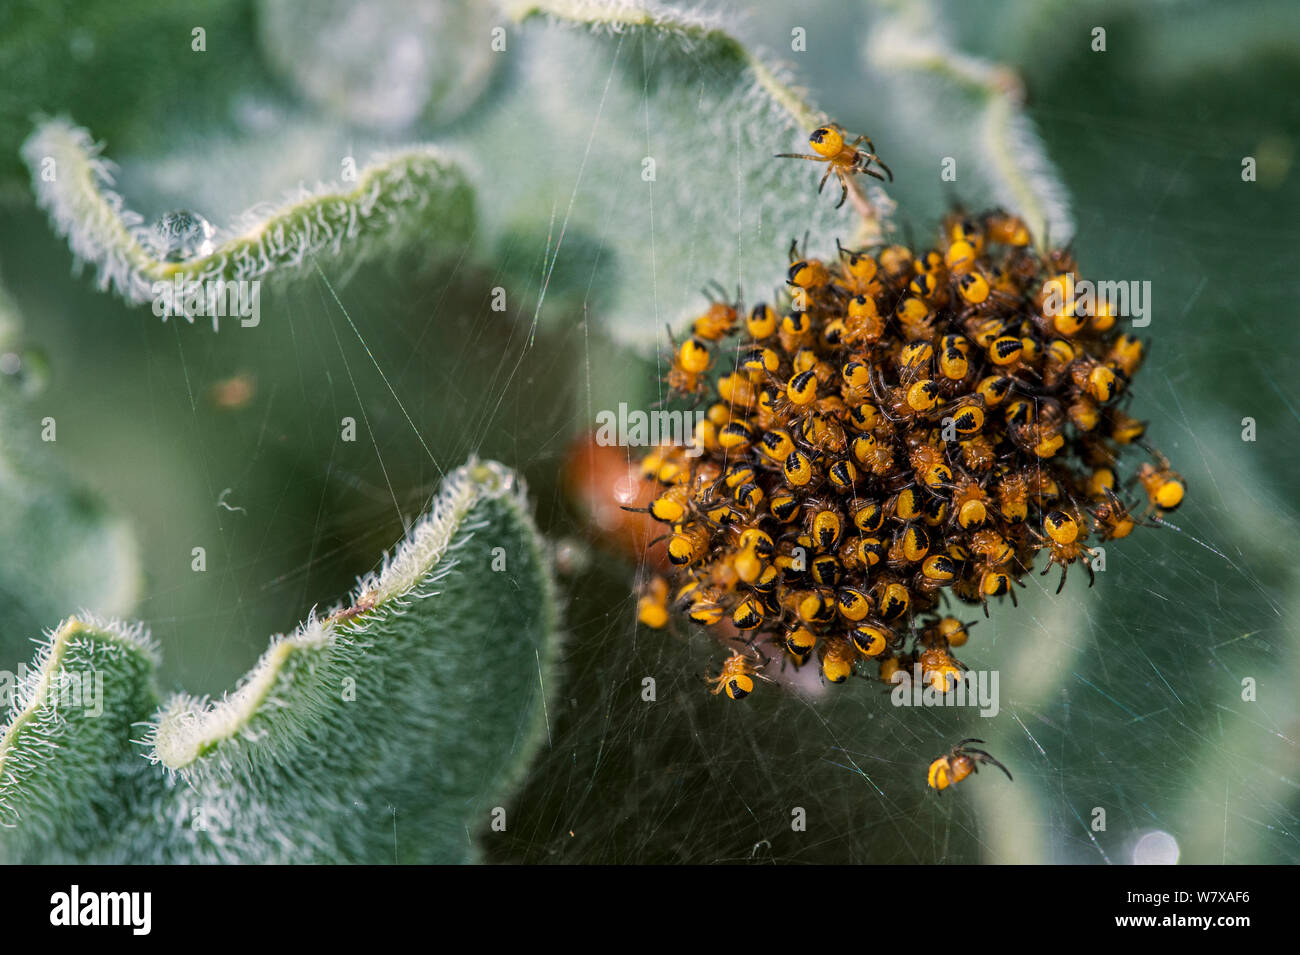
(986, 758)
(798, 156)
(1065, 569)
(714, 286)
(844, 191)
(681, 603)
(1161, 461)
(934, 489)
(822, 185)
(876, 391)
(913, 370)
(864, 162)
(671, 339)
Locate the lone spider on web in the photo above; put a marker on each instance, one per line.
(844, 159)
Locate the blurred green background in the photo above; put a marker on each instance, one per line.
(1126, 697)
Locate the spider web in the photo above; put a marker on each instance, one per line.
(1125, 698)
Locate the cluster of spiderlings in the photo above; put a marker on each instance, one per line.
(905, 430)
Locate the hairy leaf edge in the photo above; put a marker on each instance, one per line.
(187, 728)
(34, 692)
(85, 209)
(1024, 176)
(688, 29)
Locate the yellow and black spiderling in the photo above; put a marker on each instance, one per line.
(902, 430)
(842, 158)
(958, 763)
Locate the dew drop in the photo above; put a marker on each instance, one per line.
(1156, 848)
(28, 370)
(179, 236)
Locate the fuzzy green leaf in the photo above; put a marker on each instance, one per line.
(379, 733)
(652, 132)
(392, 197)
(628, 145)
(952, 107)
(382, 66)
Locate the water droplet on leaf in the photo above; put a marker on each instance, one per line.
(180, 235)
(28, 371)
